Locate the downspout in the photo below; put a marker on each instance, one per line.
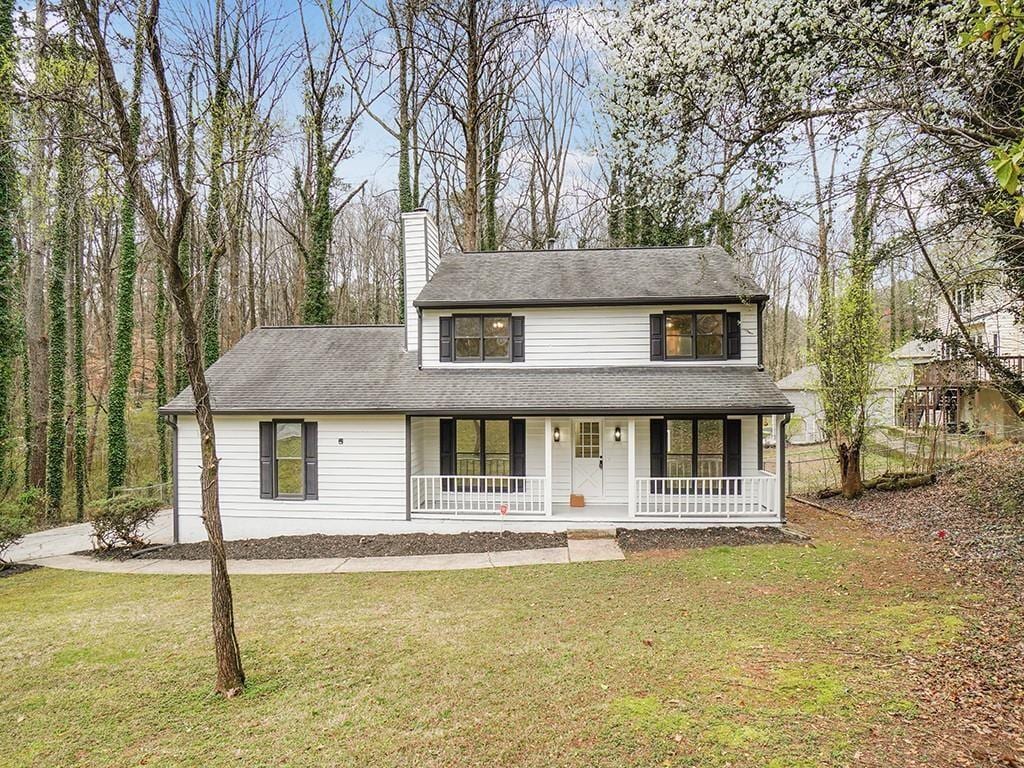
(172, 421)
(781, 448)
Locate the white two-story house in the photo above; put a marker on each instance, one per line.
(533, 390)
(950, 389)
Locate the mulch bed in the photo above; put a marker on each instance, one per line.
(970, 525)
(380, 545)
(13, 569)
(645, 540)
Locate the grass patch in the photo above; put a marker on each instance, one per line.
(746, 656)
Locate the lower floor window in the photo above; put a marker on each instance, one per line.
(288, 459)
(483, 447)
(695, 448)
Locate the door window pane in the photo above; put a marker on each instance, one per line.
(497, 337)
(467, 338)
(679, 335)
(710, 335)
(288, 461)
(679, 448)
(588, 440)
(497, 448)
(710, 448)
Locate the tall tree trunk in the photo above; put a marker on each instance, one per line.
(67, 194)
(117, 426)
(160, 372)
(8, 254)
(35, 304)
(78, 368)
(471, 194)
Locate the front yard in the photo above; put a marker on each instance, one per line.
(777, 655)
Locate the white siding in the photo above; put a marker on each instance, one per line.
(420, 238)
(363, 478)
(990, 315)
(594, 336)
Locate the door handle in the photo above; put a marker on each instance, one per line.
(600, 462)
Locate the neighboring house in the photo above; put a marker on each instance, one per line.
(890, 381)
(957, 394)
(628, 380)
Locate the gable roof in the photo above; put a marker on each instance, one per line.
(592, 276)
(917, 349)
(885, 376)
(364, 369)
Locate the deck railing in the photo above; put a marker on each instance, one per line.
(731, 498)
(483, 495)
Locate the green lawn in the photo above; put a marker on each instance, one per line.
(757, 656)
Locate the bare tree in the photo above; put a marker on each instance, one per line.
(166, 236)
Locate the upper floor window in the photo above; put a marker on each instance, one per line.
(481, 337)
(965, 297)
(695, 335)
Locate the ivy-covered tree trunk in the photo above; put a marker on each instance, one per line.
(223, 64)
(78, 370)
(316, 306)
(117, 426)
(160, 372)
(8, 255)
(185, 259)
(847, 343)
(67, 192)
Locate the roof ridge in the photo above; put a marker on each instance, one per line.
(331, 325)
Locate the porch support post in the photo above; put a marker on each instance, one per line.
(549, 439)
(631, 466)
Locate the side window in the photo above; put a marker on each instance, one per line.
(288, 460)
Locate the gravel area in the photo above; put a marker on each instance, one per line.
(381, 545)
(643, 540)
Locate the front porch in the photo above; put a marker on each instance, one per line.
(544, 461)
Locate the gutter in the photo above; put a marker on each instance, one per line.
(626, 301)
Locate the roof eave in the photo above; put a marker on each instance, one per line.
(765, 410)
(757, 298)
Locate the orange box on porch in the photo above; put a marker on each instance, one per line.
(576, 500)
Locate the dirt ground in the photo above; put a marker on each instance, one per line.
(970, 696)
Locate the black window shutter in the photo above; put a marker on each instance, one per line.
(733, 455)
(657, 337)
(266, 459)
(732, 335)
(518, 339)
(519, 447)
(659, 435)
(447, 446)
(309, 457)
(446, 339)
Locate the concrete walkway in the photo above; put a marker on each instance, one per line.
(78, 537)
(577, 551)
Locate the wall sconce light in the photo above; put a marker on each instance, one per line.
(558, 435)
(618, 434)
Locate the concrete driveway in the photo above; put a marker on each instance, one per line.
(77, 537)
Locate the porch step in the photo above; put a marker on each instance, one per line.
(590, 533)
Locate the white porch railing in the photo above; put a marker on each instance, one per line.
(726, 498)
(497, 496)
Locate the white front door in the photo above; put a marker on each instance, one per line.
(587, 459)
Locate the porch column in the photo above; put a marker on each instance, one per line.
(780, 421)
(549, 439)
(631, 466)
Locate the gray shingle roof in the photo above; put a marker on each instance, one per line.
(610, 275)
(366, 369)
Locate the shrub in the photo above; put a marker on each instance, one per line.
(13, 526)
(119, 521)
(16, 519)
